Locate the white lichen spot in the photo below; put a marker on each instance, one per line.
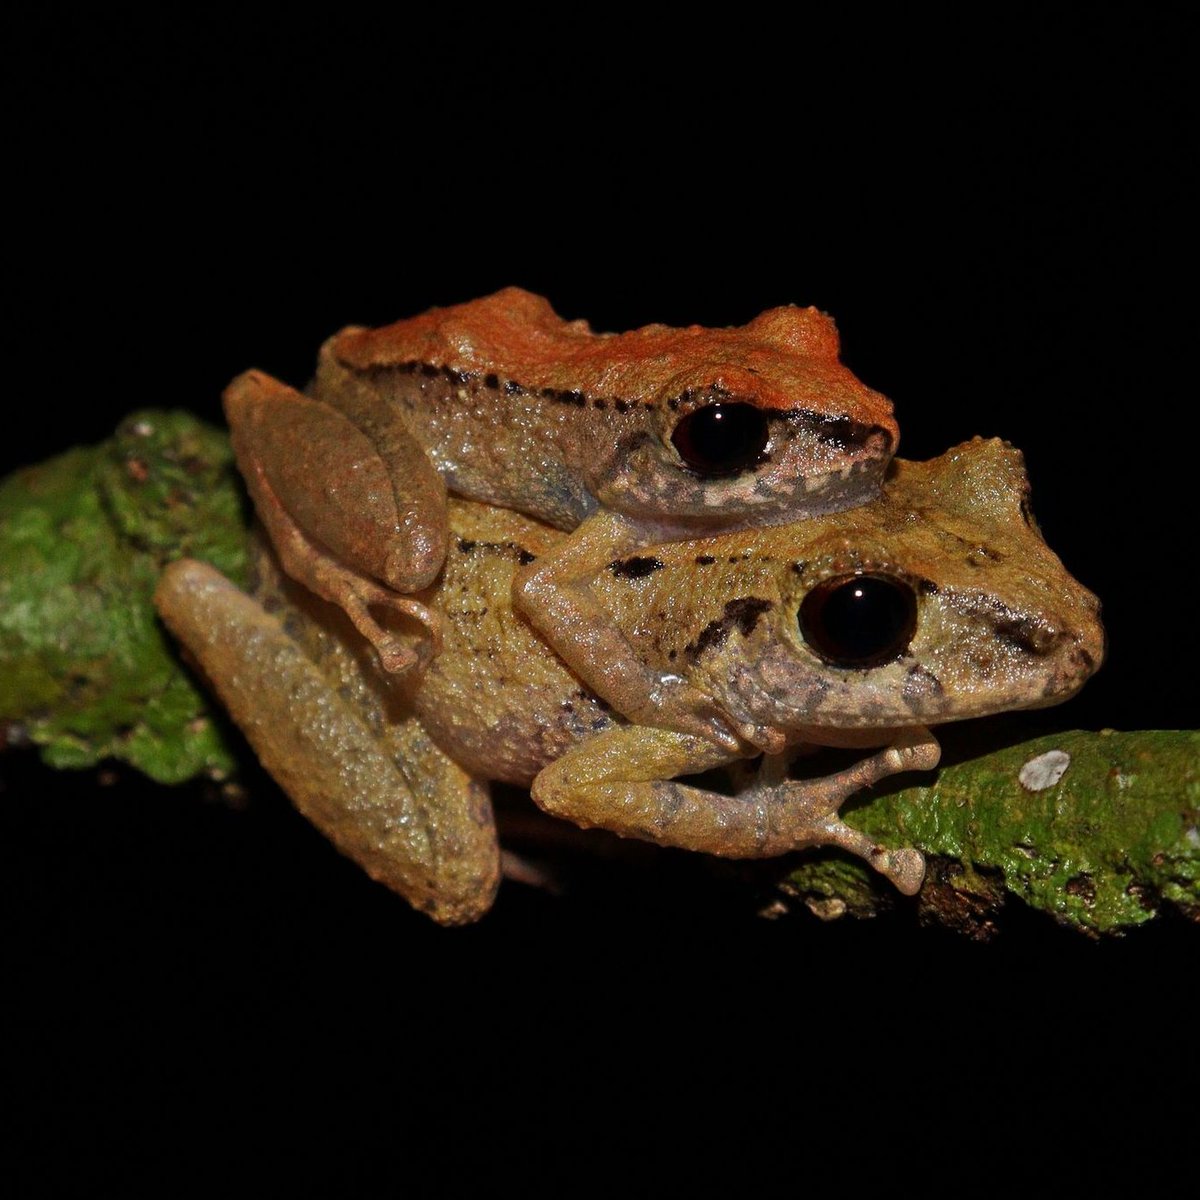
(142, 429)
(1193, 837)
(1044, 771)
(828, 909)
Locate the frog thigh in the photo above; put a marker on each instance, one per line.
(423, 827)
(340, 514)
(622, 780)
(377, 503)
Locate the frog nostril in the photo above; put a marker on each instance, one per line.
(862, 620)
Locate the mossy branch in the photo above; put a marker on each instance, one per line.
(1097, 829)
(86, 670)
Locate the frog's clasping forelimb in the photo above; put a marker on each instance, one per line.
(625, 780)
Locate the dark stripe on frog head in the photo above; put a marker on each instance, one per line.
(1027, 635)
(841, 432)
(1016, 630)
(741, 614)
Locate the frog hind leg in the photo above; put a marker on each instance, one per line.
(624, 781)
(361, 523)
(408, 815)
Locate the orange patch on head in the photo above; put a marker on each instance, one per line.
(786, 358)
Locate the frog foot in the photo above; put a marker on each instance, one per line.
(905, 868)
(806, 811)
(395, 655)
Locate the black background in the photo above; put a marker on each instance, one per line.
(1004, 236)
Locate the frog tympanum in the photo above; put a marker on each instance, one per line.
(628, 439)
(934, 602)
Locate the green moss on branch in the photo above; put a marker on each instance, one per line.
(86, 671)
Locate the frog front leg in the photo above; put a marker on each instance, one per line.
(359, 520)
(624, 781)
(553, 594)
(387, 798)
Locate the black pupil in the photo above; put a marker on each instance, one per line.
(859, 620)
(720, 439)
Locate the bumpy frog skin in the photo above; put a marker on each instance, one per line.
(634, 438)
(968, 613)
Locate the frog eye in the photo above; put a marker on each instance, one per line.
(859, 620)
(721, 439)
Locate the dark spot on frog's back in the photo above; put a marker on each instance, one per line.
(635, 568)
(741, 614)
(508, 549)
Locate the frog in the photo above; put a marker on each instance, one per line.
(625, 439)
(938, 601)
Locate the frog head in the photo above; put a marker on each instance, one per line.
(937, 602)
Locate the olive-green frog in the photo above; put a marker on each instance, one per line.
(935, 602)
(627, 439)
